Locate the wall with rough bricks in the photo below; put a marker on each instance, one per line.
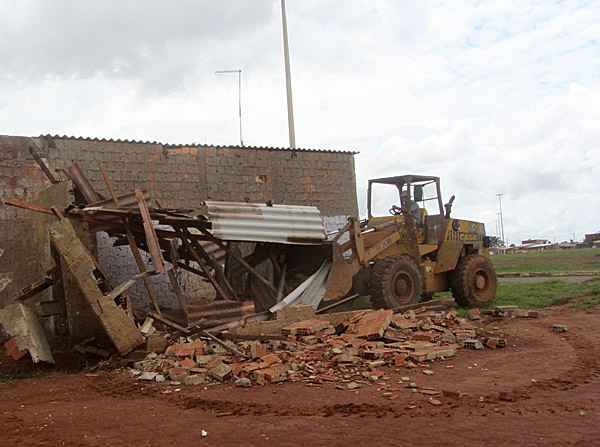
(178, 176)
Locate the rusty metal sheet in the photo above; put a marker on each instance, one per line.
(255, 222)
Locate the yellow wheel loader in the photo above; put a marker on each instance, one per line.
(415, 250)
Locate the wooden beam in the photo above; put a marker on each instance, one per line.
(18, 203)
(191, 250)
(169, 323)
(214, 264)
(137, 256)
(151, 238)
(41, 164)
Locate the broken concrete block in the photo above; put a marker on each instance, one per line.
(82, 268)
(20, 321)
(219, 371)
(243, 382)
(148, 326)
(195, 379)
(472, 343)
(296, 313)
(156, 343)
(178, 374)
(149, 376)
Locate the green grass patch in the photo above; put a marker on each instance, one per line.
(581, 259)
(543, 294)
(22, 374)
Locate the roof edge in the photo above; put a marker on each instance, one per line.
(198, 145)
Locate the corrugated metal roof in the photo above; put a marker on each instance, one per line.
(202, 146)
(255, 222)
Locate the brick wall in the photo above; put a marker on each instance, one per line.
(176, 175)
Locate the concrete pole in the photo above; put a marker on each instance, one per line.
(501, 217)
(288, 79)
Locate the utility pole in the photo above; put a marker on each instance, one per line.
(288, 78)
(239, 76)
(499, 195)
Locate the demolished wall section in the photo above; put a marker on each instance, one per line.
(176, 176)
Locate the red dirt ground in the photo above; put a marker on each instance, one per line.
(542, 390)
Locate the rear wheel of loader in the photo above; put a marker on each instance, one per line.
(395, 281)
(474, 281)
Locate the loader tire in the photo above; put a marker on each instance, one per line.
(395, 281)
(474, 281)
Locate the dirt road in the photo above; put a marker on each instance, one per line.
(542, 390)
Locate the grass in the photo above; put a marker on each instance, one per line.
(582, 259)
(546, 293)
(542, 294)
(21, 374)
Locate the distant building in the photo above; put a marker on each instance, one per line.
(592, 240)
(535, 242)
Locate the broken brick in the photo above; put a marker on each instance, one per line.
(13, 350)
(270, 359)
(372, 324)
(196, 347)
(306, 327)
(187, 363)
(257, 349)
(272, 374)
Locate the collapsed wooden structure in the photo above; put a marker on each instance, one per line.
(253, 255)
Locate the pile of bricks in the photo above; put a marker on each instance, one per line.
(313, 351)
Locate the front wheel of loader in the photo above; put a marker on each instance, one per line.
(474, 281)
(395, 281)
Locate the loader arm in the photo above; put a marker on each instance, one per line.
(343, 268)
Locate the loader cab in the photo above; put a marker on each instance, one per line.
(417, 195)
(424, 191)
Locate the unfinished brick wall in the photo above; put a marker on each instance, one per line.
(177, 176)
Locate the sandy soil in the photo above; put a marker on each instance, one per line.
(542, 390)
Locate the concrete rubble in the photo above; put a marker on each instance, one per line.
(353, 352)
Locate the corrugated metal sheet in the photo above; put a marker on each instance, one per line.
(310, 292)
(255, 222)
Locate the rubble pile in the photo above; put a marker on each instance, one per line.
(313, 351)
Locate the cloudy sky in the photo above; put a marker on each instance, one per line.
(492, 96)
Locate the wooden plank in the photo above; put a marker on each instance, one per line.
(79, 262)
(41, 164)
(169, 323)
(108, 184)
(215, 265)
(137, 255)
(35, 288)
(172, 274)
(151, 238)
(18, 203)
(189, 249)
